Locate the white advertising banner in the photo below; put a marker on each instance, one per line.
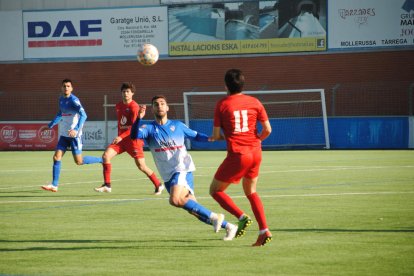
(93, 134)
(94, 33)
(370, 23)
(11, 42)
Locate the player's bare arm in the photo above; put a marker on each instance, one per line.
(266, 130)
(217, 135)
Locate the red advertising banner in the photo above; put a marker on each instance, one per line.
(27, 136)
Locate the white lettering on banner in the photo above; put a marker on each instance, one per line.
(27, 133)
(8, 134)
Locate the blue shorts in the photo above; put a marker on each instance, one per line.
(185, 179)
(65, 143)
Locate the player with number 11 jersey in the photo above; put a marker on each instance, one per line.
(237, 115)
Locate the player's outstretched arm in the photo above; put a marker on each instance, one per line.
(201, 137)
(217, 135)
(56, 120)
(135, 128)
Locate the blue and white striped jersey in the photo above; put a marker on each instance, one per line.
(71, 115)
(167, 145)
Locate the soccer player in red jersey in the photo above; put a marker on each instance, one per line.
(127, 111)
(237, 115)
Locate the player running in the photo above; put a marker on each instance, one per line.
(237, 115)
(165, 139)
(127, 111)
(71, 117)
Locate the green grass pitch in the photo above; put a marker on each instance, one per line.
(330, 212)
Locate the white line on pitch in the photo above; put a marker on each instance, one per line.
(241, 196)
(72, 183)
(262, 172)
(337, 169)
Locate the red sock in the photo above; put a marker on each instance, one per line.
(227, 204)
(107, 168)
(258, 210)
(154, 180)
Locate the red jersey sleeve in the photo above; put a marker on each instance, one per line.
(126, 117)
(261, 114)
(217, 113)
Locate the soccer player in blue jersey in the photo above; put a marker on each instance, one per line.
(166, 140)
(71, 117)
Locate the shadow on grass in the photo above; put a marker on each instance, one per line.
(110, 244)
(7, 193)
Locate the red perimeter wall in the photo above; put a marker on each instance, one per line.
(29, 91)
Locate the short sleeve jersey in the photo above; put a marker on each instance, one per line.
(126, 114)
(237, 115)
(70, 109)
(167, 145)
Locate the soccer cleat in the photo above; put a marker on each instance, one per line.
(263, 239)
(103, 189)
(243, 224)
(231, 230)
(50, 187)
(217, 222)
(159, 189)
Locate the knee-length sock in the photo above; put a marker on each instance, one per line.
(91, 160)
(107, 168)
(258, 210)
(228, 204)
(56, 172)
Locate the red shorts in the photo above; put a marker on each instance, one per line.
(135, 147)
(236, 166)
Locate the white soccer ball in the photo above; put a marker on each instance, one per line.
(148, 54)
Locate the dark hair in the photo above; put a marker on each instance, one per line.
(234, 80)
(66, 80)
(128, 85)
(158, 97)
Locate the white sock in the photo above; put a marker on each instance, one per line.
(229, 225)
(213, 215)
(263, 231)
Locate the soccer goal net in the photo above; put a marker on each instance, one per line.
(298, 117)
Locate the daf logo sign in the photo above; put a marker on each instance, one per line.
(65, 28)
